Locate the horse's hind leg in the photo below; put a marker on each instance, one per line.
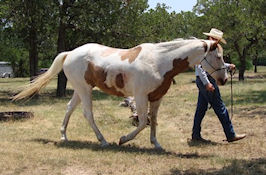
(154, 106)
(75, 100)
(85, 94)
(142, 108)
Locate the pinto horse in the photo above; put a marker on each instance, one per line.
(145, 72)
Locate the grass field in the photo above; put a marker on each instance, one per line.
(33, 146)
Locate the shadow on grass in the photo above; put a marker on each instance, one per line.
(192, 143)
(11, 80)
(237, 167)
(114, 147)
(252, 97)
(50, 98)
(251, 111)
(248, 98)
(99, 95)
(4, 101)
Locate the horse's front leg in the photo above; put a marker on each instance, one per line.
(85, 93)
(142, 109)
(154, 107)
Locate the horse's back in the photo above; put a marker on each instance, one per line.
(98, 65)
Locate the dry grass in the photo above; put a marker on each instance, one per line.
(33, 146)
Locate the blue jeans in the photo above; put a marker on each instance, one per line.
(214, 98)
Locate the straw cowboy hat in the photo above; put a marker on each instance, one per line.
(217, 34)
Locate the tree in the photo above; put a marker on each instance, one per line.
(27, 20)
(109, 22)
(242, 22)
(63, 7)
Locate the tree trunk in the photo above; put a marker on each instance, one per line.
(255, 65)
(61, 46)
(33, 53)
(256, 61)
(242, 57)
(61, 85)
(242, 68)
(20, 72)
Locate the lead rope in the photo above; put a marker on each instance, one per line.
(232, 72)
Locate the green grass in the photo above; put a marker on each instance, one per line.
(33, 146)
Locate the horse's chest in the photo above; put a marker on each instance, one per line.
(179, 65)
(160, 91)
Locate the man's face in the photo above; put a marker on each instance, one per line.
(214, 39)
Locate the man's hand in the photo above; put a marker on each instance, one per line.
(232, 67)
(209, 87)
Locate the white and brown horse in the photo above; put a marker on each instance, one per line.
(145, 72)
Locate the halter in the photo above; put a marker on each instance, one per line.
(214, 69)
(205, 56)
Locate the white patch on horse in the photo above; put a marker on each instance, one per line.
(145, 72)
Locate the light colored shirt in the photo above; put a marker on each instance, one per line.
(203, 75)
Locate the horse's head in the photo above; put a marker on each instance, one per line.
(213, 62)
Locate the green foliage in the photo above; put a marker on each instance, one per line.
(243, 23)
(19, 21)
(12, 50)
(17, 58)
(114, 23)
(125, 24)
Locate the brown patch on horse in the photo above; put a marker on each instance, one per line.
(205, 46)
(109, 51)
(179, 65)
(130, 54)
(213, 46)
(96, 76)
(119, 81)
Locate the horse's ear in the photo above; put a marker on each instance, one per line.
(214, 46)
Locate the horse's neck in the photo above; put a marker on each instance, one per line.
(168, 51)
(167, 47)
(179, 49)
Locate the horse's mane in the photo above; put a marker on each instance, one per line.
(179, 42)
(182, 39)
(176, 43)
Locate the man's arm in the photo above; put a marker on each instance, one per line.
(202, 74)
(204, 78)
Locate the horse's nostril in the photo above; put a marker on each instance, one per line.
(223, 81)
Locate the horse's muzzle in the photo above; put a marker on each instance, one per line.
(222, 81)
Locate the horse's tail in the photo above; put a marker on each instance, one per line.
(43, 79)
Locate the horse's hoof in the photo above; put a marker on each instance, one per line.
(122, 140)
(64, 139)
(159, 148)
(104, 144)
